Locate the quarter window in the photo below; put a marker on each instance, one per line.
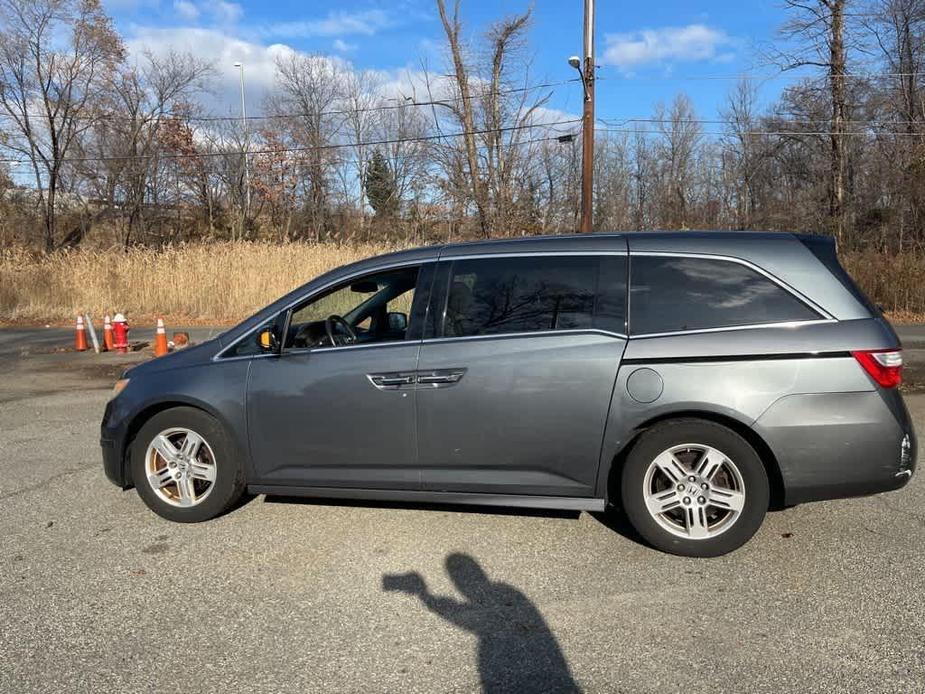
(491, 296)
(672, 293)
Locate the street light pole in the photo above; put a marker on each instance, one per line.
(247, 176)
(587, 126)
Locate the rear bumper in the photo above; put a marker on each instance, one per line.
(835, 445)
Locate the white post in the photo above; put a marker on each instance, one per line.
(96, 343)
(247, 175)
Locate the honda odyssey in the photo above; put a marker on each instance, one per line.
(692, 380)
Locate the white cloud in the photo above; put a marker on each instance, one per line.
(222, 51)
(225, 12)
(365, 22)
(186, 10)
(342, 46)
(667, 44)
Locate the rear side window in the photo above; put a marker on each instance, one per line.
(490, 296)
(673, 293)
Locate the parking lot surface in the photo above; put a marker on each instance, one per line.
(97, 594)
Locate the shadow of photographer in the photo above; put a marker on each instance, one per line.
(516, 649)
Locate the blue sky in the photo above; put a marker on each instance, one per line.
(647, 51)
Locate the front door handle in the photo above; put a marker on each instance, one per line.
(441, 378)
(390, 381)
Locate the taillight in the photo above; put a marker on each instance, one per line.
(884, 366)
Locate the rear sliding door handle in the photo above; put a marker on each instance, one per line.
(441, 378)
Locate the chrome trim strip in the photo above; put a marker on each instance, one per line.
(243, 356)
(756, 326)
(328, 285)
(538, 333)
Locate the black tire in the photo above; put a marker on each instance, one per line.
(229, 483)
(668, 434)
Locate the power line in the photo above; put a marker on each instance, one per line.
(792, 74)
(319, 148)
(785, 122)
(406, 156)
(772, 133)
(407, 102)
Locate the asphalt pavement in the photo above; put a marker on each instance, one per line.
(97, 594)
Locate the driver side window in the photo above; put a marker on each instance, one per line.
(369, 309)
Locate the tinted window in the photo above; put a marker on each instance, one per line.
(532, 294)
(675, 293)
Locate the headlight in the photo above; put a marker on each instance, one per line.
(119, 387)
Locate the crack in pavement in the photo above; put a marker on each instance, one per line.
(47, 481)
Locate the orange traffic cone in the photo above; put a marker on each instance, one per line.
(160, 339)
(107, 334)
(80, 338)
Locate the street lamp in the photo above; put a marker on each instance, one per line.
(575, 62)
(247, 177)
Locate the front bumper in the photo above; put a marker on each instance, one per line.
(112, 462)
(112, 446)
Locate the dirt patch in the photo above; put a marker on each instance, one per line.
(69, 349)
(57, 372)
(97, 371)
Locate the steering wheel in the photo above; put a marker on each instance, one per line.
(336, 338)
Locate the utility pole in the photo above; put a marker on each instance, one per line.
(247, 175)
(587, 124)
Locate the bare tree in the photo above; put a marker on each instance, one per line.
(897, 32)
(740, 141)
(680, 133)
(452, 27)
(817, 27)
(306, 87)
(127, 141)
(55, 56)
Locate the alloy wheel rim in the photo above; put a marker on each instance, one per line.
(694, 491)
(180, 467)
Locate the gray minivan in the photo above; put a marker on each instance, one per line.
(692, 379)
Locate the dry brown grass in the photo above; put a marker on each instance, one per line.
(217, 282)
(223, 282)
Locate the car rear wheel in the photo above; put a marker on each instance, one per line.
(185, 467)
(694, 488)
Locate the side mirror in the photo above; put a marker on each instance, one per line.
(398, 321)
(267, 341)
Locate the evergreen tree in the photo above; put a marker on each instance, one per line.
(381, 189)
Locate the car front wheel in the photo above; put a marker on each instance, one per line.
(694, 488)
(185, 467)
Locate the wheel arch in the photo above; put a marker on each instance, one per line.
(761, 447)
(144, 415)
